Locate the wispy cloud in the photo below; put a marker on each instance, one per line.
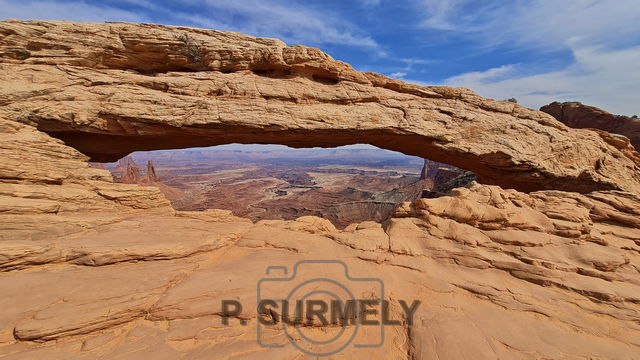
(483, 77)
(290, 21)
(398, 75)
(68, 10)
(604, 78)
(408, 67)
(602, 35)
(441, 14)
(416, 61)
(369, 3)
(535, 23)
(287, 20)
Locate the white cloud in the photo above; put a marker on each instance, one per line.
(285, 20)
(370, 3)
(536, 23)
(442, 14)
(603, 78)
(481, 77)
(74, 11)
(602, 35)
(398, 75)
(409, 67)
(571, 22)
(415, 61)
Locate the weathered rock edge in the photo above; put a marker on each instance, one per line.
(581, 116)
(109, 89)
(93, 269)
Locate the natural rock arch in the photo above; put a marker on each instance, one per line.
(113, 88)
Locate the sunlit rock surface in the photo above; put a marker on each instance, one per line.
(109, 89)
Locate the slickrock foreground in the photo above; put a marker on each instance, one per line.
(109, 89)
(92, 269)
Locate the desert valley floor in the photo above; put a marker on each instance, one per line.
(344, 185)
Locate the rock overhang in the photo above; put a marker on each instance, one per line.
(110, 89)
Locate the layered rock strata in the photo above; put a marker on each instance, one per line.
(109, 89)
(578, 115)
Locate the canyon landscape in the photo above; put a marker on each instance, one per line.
(344, 185)
(519, 236)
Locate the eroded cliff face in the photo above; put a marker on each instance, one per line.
(439, 179)
(95, 269)
(578, 115)
(109, 89)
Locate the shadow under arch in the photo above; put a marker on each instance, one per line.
(493, 168)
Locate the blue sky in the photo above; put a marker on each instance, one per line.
(537, 51)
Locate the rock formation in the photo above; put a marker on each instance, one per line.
(439, 179)
(115, 88)
(582, 116)
(124, 163)
(127, 171)
(131, 175)
(379, 209)
(151, 172)
(96, 269)
(40, 175)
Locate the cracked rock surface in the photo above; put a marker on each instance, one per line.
(109, 89)
(500, 273)
(581, 116)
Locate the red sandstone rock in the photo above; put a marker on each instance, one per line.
(151, 172)
(582, 116)
(131, 175)
(109, 89)
(439, 178)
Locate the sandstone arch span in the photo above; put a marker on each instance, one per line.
(97, 269)
(109, 89)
